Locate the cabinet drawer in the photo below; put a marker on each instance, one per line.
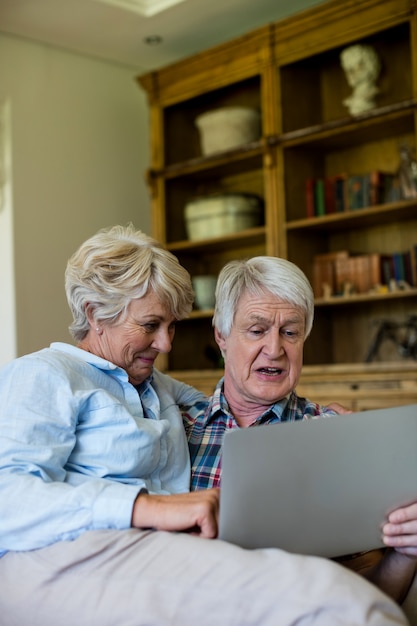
(361, 390)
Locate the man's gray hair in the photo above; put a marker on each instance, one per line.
(256, 276)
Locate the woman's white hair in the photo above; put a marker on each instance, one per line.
(256, 276)
(117, 265)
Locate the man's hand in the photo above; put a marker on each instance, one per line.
(400, 531)
(195, 512)
(395, 572)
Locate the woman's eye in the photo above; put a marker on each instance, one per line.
(150, 327)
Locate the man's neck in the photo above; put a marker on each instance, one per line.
(245, 415)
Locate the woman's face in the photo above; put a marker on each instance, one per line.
(134, 342)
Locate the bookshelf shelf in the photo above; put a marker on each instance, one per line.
(207, 313)
(390, 121)
(236, 159)
(384, 213)
(360, 298)
(250, 236)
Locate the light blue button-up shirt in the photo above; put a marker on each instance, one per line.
(76, 448)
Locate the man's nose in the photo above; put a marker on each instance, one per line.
(273, 344)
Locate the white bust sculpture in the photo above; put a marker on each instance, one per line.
(361, 66)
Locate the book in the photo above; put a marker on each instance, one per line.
(324, 271)
(326, 195)
(319, 198)
(366, 190)
(356, 192)
(408, 271)
(329, 194)
(309, 191)
(340, 192)
(323, 274)
(413, 263)
(392, 189)
(366, 272)
(374, 262)
(387, 269)
(377, 183)
(363, 275)
(398, 263)
(362, 272)
(343, 274)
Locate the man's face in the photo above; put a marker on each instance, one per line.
(263, 353)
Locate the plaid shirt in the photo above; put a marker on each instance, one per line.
(206, 422)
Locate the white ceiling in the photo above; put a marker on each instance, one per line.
(116, 30)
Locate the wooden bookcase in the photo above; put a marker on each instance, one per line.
(290, 71)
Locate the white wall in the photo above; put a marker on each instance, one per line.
(7, 286)
(80, 142)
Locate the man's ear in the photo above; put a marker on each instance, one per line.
(220, 340)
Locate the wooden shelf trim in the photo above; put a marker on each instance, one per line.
(401, 210)
(347, 125)
(249, 236)
(198, 314)
(242, 153)
(365, 297)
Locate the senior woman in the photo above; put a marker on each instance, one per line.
(94, 470)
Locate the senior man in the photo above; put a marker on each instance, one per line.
(263, 314)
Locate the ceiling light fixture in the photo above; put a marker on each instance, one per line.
(153, 40)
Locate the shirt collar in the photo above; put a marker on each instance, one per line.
(145, 384)
(89, 357)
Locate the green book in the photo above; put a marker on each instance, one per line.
(319, 198)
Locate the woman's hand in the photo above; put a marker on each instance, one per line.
(195, 512)
(400, 531)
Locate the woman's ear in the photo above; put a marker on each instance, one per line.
(89, 313)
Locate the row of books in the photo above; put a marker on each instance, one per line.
(339, 273)
(334, 194)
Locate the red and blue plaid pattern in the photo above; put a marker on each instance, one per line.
(206, 422)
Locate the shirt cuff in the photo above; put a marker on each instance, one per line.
(113, 508)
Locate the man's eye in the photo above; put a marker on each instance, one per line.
(257, 331)
(291, 333)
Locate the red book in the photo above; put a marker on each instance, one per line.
(376, 191)
(330, 194)
(310, 184)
